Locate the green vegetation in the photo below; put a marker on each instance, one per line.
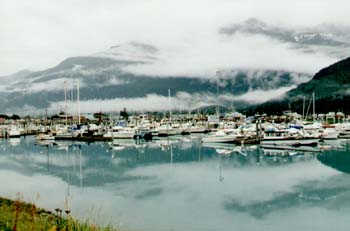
(20, 216)
(124, 114)
(331, 87)
(330, 81)
(107, 80)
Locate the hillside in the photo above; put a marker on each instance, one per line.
(105, 84)
(331, 87)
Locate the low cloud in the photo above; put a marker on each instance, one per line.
(182, 101)
(215, 52)
(188, 29)
(152, 102)
(260, 96)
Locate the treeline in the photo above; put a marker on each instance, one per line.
(13, 117)
(322, 105)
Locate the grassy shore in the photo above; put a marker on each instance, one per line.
(21, 216)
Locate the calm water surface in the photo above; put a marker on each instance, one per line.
(180, 184)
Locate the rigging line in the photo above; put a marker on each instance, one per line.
(307, 111)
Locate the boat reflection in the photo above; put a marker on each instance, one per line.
(338, 159)
(127, 178)
(14, 141)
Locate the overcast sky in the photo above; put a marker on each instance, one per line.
(39, 34)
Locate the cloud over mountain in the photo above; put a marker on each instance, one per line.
(262, 49)
(36, 36)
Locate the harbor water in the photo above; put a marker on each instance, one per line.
(178, 183)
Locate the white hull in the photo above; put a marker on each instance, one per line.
(67, 135)
(123, 135)
(13, 134)
(219, 139)
(198, 130)
(44, 137)
(330, 136)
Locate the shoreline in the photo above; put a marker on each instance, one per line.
(17, 215)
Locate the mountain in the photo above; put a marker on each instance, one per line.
(116, 78)
(104, 80)
(331, 87)
(132, 51)
(327, 38)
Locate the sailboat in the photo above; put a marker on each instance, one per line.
(74, 130)
(167, 129)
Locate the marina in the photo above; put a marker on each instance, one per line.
(174, 115)
(235, 128)
(122, 181)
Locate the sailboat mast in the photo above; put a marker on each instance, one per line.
(313, 106)
(65, 101)
(303, 108)
(218, 73)
(72, 103)
(218, 107)
(78, 102)
(169, 95)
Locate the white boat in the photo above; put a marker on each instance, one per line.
(64, 135)
(121, 131)
(219, 137)
(273, 134)
(13, 132)
(198, 129)
(71, 132)
(311, 130)
(43, 136)
(311, 134)
(166, 130)
(329, 134)
(124, 133)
